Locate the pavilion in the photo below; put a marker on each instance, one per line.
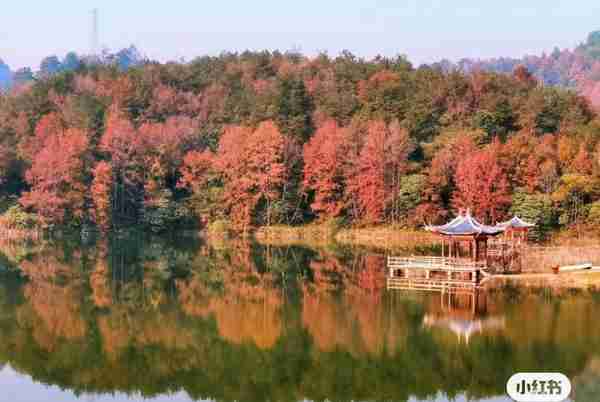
(465, 230)
(516, 229)
(469, 250)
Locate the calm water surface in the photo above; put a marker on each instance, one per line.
(138, 318)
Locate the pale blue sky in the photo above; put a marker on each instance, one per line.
(425, 30)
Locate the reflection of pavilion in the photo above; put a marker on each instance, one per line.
(464, 304)
(465, 328)
(463, 314)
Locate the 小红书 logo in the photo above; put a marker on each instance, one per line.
(538, 387)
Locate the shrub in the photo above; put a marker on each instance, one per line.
(410, 195)
(536, 208)
(594, 213)
(220, 227)
(16, 217)
(164, 213)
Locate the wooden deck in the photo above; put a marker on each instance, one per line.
(433, 274)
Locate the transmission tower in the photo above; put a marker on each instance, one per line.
(94, 37)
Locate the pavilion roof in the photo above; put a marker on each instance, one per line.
(516, 223)
(465, 225)
(464, 328)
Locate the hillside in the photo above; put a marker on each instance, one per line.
(260, 138)
(577, 68)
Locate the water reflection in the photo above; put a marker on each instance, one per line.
(465, 315)
(178, 318)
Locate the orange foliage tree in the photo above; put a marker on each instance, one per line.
(482, 185)
(57, 178)
(253, 168)
(440, 179)
(197, 175)
(582, 163)
(195, 170)
(161, 150)
(48, 126)
(101, 190)
(369, 184)
(397, 148)
(323, 169)
(120, 140)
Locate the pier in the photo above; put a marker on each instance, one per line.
(433, 273)
(469, 250)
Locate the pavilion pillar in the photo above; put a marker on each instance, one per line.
(485, 252)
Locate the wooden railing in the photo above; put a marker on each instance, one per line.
(430, 285)
(435, 263)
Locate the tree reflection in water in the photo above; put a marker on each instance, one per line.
(238, 321)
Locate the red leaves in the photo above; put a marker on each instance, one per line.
(253, 167)
(369, 183)
(56, 177)
(522, 74)
(481, 185)
(195, 170)
(153, 148)
(49, 125)
(165, 141)
(378, 81)
(323, 169)
(120, 138)
(101, 190)
(582, 163)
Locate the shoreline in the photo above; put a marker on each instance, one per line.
(382, 238)
(581, 280)
(538, 259)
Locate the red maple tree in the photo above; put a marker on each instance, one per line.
(101, 190)
(56, 177)
(253, 168)
(195, 170)
(369, 182)
(49, 125)
(120, 139)
(398, 147)
(481, 185)
(582, 163)
(323, 169)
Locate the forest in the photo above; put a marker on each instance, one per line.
(269, 138)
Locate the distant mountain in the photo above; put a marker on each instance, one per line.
(51, 65)
(578, 68)
(5, 75)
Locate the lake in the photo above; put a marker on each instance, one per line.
(137, 318)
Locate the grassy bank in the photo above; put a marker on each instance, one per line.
(564, 248)
(542, 258)
(315, 235)
(561, 282)
(567, 247)
(389, 238)
(378, 237)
